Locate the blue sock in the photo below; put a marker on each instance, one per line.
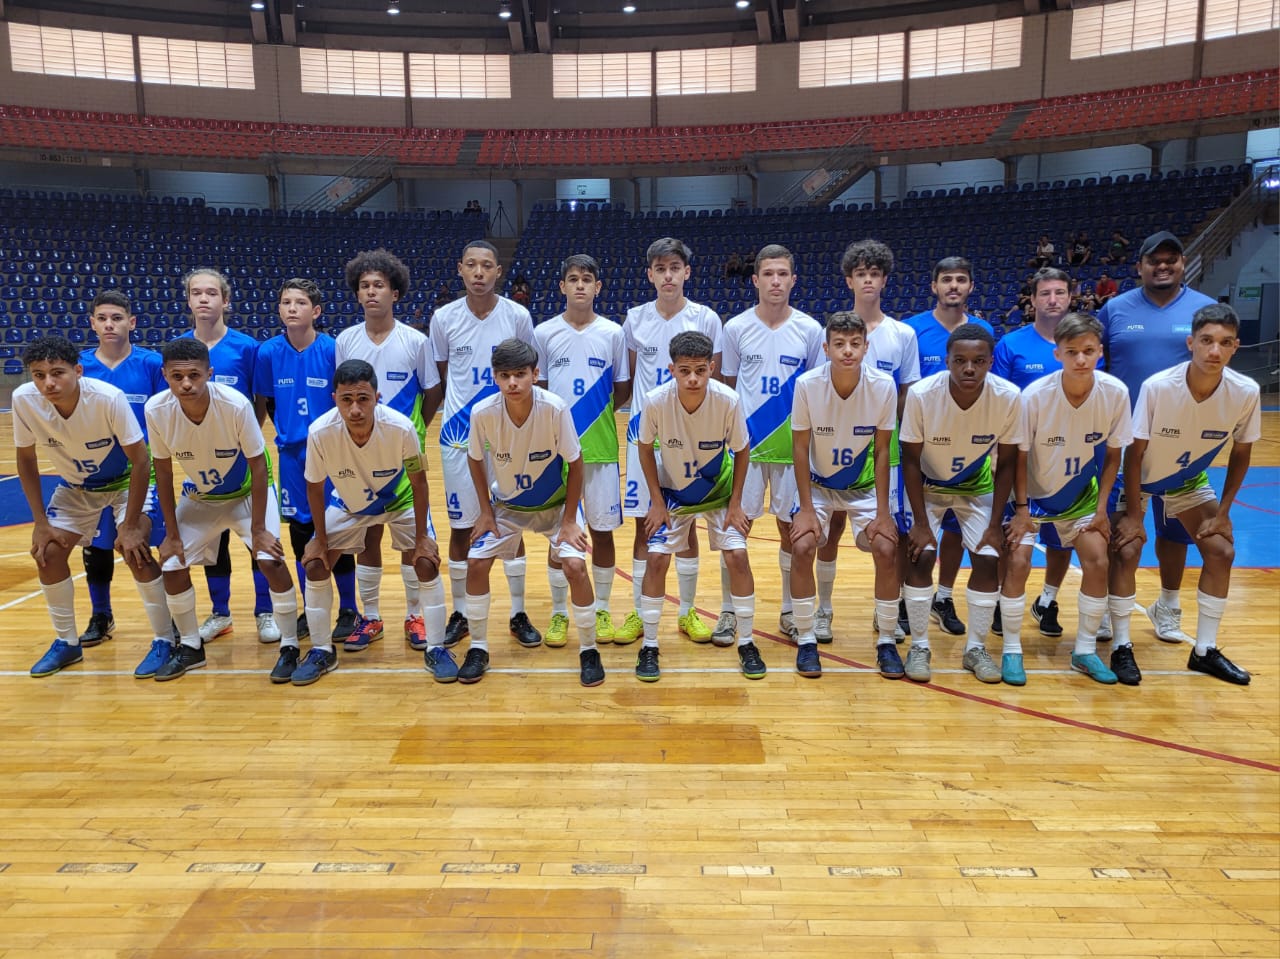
(302, 574)
(346, 589)
(100, 596)
(220, 594)
(261, 593)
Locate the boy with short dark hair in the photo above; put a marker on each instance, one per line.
(533, 482)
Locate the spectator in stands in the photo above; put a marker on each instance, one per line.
(1044, 254)
(521, 291)
(733, 266)
(473, 206)
(1105, 290)
(444, 294)
(1079, 250)
(1117, 249)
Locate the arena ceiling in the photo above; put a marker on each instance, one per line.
(534, 25)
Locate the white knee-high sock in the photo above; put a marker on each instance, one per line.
(1208, 620)
(919, 600)
(1121, 609)
(1089, 610)
(515, 570)
(478, 620)
(744, 607)
(687, 581)
(284, 606)
(802, 609)
(458, 585)
(61, 600)
(584, 617)
(156, 606)
(434, 615)
(602, 579)
(651, 613)
(182, 607)
(318, 603)
(369, 582)
(826, 574)
(1012, 609)
(886, 620)
(982, 612)
(638, 567)
(559, 591)
(413, 602)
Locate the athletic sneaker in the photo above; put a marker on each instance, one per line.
(632, 628)
(997, 621)
(979, 662)
(441, 664)
(808, 662)
(415, 632)
(367, 633)
(558, 631)
(474, 666)
(1104, 629)
(1047, 617)
(1168, 623)
(348, 622)
(214, 626)
(318, 662)
(101, 626)
(1125, 666)
(284, 668)
(904, 622)
(726, 631)
(60, 655)
(184, 658)
(647, 670)
(590, 669)
(157, 656)
(692, 626)
(456, 629)
(523, 631)
(749, 659)
(888, 661)
(604, 626)
(899, 634)
(1011, 669)
(1093, 667)
(268, 631)
(1215, 664)
(917, 668)
(787, 624)
(304, 630)
(822, 626)
(943, 612)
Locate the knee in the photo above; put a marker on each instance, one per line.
(426, 570)
(884, 553)
(574, 568)
(736, 560)
(315, 570)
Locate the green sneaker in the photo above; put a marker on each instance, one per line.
(558, 632)
(632, 628)
(692, 626)
(604, 627)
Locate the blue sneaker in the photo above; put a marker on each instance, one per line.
(441, 664)
(808, 662)
(60, 655)
(1093, 667)
(1011, 670)
(161, 652)
(318, 662)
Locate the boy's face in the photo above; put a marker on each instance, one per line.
(205, 299)
(668, 275)
(866, 282)
(297, 312)
(516, 384)
(1052, 300)
(356, 403)
(691, 374)
(968, 361)
(952, 288)
(845, 349)
(112, 324)
(1212, 347)
(580, 287)
(376, 295)
(774, 280)
(479, 270)
(57, 380)
(188, 379)
(1079, 356)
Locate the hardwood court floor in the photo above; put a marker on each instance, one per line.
(378, 813)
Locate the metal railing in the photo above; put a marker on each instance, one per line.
(1242, 213)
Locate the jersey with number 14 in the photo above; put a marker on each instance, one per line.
(581, 366)
(648, 334)
(842, 430)
(529, 460)
(767, 362)
(368, 480)
(403, 363)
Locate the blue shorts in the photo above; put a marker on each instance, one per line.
(293, 484)
(1167, 527)
(105, 537)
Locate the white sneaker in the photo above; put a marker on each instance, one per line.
(787, 625)
(1168, 623)
(214, 626)
(1104, 629)
(268, 631)
(726, 629)
(822, 625)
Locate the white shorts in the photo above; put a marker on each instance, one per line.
(345, 531)
(1175, 506)
(601, 497)
(860, 505)
(201, 524)
(79, 510)
(973, 513)
(635, 496)
(459, 492)
(1054, 533)
(673, 537)
(781, 480)
(511, 525)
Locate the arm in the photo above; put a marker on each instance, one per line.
(883, 524)
(804, 522)
(621, 393)
(657, 516)
(318, 548)
(1237, 465)
(1129, 526)
(172, 544)
(264, 406)
(1021, 523)
(730, 381)
(1006, 465)
(734, 515)
(920, 540)
(902, 399)
(130, 539)
(432, 397)
(570, 532)
(263, 541)
(425, 547)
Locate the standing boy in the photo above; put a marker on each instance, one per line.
(583, 356)
(698, 424)
(98, 449)
(536, 485)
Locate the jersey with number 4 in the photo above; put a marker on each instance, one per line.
(1183, 436)
(465, 342)
(695, 459)
(368, 480)
(87, 447)
(648, 334)
(1066, 445)
(581, 366)
(767, 363)
(215, 452)
(842, 430)
(404, 365)
(957, 444)
(529, 461)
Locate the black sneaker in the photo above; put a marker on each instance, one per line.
(184, 658)
(348, 622)
(474, 666)
(1125, 666)
(943, 613)
(749, 659)
(304, 631)
(1047, 617)
(1218, 666)
(647, 670)
(889, 662)
(523, 631)
(457, 629)
(592, 670)
(101, 626)
(282, 672)
(904, 622)
(997, 622)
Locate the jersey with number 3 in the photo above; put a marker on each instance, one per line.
(648, 334)
(695, 461)
(215, 452)
(842, 430)
(368, 480)
(580, 366)
(529, 460)
(87, 447)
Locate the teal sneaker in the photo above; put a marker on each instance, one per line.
(1011, 670)
(1093, 667)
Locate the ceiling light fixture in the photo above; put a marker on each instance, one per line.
(504, 11)
(257, 5)
(743, 4)
(393, 8)
(629, 8)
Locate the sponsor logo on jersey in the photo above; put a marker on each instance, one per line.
(229, 380)
(940, 440)
(561, 361)
(1135, 328)
(752, 358)
(184, 455)
(1170, 431)
(596, 363)
(285, 381)
(317, 381)
(397, 376)
(225, 454)
(136, 397)
(346, 473)
(1092, 437)
(1213, 435)
(1033, 367)
(790, 360)
(539, 455)
(502, 457)
(381, 473)
(710, 444)
(461, 351)
(1183, 328)
(825, 430)
(99, 444)
(886, 365)
(673, 444)
(648, 352)
(864, 430)
(1055, 441)
(53, 443)
(982, 439)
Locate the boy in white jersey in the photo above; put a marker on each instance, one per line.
(766, 349)
(373, 457)
(648, 330)
(706, 451)
(212, 431)
(97, 447)
(843, 411)
(1184, 417)
(536, 469)
(952, 422)
(582, 358)
(464, 334)
(402, 359)
(1075, 422)
(891, 347)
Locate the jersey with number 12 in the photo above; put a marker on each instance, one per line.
(648, 334)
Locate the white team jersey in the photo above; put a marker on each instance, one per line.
(464, 341)
(695, 465)
(86, 448)
(892, 348)
(528, 461)
(1066, 445)
(581, 367)
(767, 363)
(842, 431)
(404, 363)
(214, 453)
(368, 480)
(956, 457)
(648, 334)
(1184, 436)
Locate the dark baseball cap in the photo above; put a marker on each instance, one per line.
(1157, 240)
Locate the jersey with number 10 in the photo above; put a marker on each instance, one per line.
(842, 430)
(695, 461)
(581, 366)
(648, 334)
(368, 480)
(529, 460)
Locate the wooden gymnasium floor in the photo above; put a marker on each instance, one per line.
(378, 813)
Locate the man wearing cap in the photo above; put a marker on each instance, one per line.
(1145, 331)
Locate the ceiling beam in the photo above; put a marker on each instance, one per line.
(543, 30)
(790, 21)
